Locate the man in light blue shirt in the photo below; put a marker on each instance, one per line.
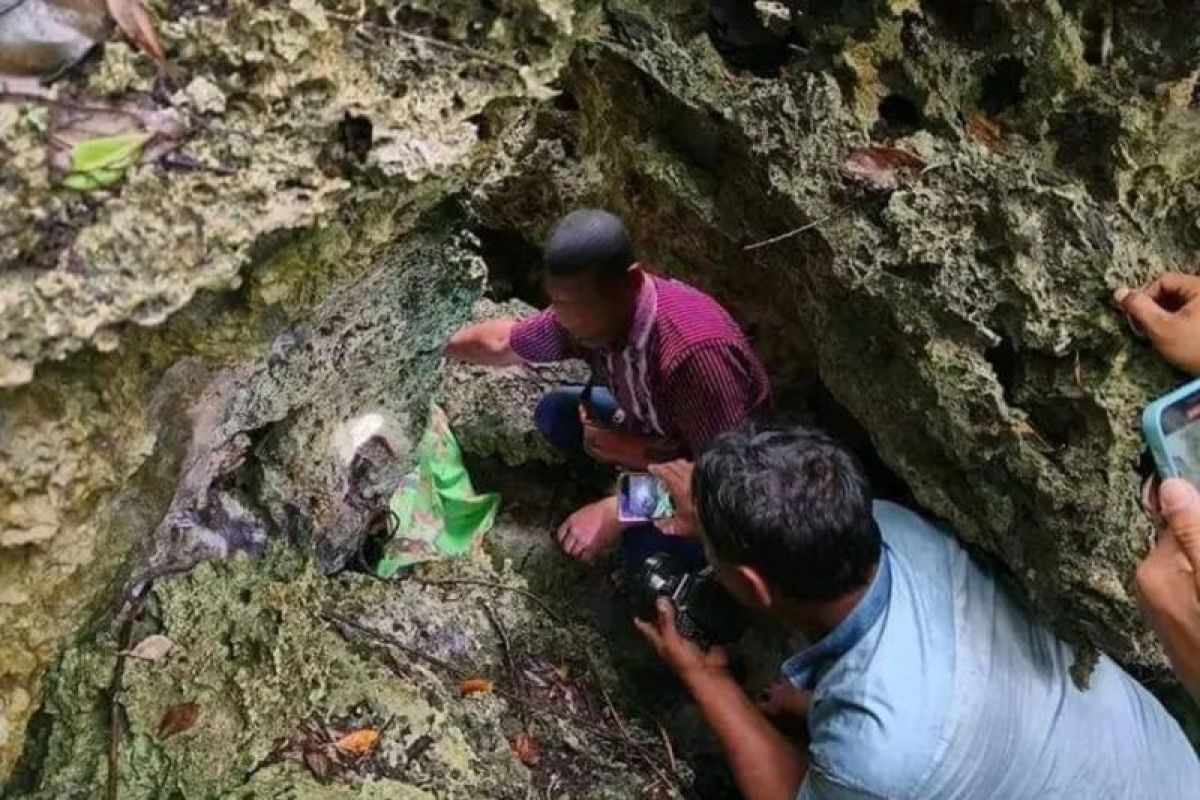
(928, 677)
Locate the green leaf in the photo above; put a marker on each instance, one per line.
(102, 162)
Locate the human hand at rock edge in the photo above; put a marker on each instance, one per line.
(677, 477)
(1168, 310)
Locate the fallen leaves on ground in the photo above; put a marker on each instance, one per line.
(179, 718)
(153, 648)
(987, 132)
(524, 745)
(102, 162)
(135, 22)
(881, 168)
(358, 743)
(472, 686)
(93, 146)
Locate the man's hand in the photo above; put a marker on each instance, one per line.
(765, 764)
(589, 531)
(485, 343)
(683, 655)
(1169, 581)
(785, 700)
(677, 477)
(623, 448)
(1168, 310)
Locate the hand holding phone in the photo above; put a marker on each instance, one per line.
(1171, 427)
(641, 497)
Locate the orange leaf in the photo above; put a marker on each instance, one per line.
(178, 719)
(526, 748)
(987, 132)
(472, 686)
(880, 168)
(358, 743)
(135, 22)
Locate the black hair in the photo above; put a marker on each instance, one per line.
(793, 504)
(589, 241)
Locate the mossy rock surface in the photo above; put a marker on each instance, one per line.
(187, 357)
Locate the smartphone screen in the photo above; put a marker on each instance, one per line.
(1181, 437)
(642, 497)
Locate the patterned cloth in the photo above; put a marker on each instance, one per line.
(685, 371)
(436, 512)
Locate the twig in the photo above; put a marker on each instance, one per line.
(470, 52)
(506, 650)
(116, 712)
(504, 587)
(27, 97)
(670, 750)
(794, 232)
(608, 703)
(391, 641)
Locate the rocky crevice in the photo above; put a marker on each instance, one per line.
(956, 328)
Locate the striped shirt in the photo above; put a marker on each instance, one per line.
(685, 371)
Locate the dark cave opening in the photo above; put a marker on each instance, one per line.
(1003, 86)
(898, 116)
(513, 264)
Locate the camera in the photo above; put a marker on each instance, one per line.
(704, 612)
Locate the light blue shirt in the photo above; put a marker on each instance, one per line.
(941, 684)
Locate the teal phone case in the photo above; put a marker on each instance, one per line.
(1152, 430)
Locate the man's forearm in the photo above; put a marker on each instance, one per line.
(1179, 630)
(765, 764)
(485, 343)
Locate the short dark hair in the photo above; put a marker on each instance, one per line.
(589, 241)
(794, 505)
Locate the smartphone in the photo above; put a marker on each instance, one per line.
(1171, 427)
(641, 497)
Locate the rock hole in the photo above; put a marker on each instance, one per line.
(513, 264)
(1058, 421)
(1003, 86)
(744, 42)
(1003, 358)
(899, 115)
(973, 23)
(565, 101)
(1093, 35)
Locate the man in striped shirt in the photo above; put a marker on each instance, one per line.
(671, 368)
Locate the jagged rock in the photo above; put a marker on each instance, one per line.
(959, 324)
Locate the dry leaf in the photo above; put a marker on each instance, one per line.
(120, 135)
(178, 719)
(358, 743)
(318, 764)
(152, 648)
(526, 748)
(880, 168)
(133, 19)
(987, 132)
(472, 686)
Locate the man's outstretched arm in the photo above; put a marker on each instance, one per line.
(487, 343)
(766, 765)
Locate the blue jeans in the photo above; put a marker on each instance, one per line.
(557, 419)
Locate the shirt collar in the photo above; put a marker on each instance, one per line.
(805, 668)
(644, 314)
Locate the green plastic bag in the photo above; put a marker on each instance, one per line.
(435, 512)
